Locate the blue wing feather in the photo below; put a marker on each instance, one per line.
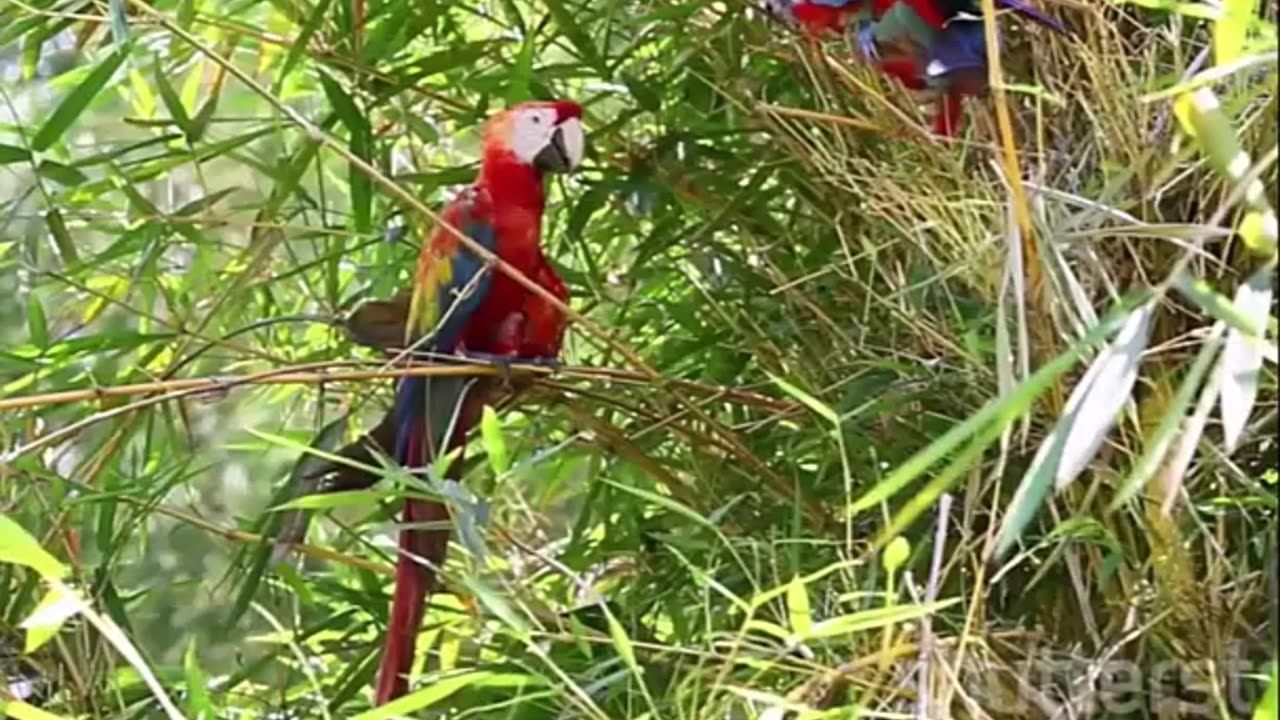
(451, 281)
(959, 47)
(460, 298)
(451, 284)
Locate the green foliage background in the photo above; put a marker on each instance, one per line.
(767, 226)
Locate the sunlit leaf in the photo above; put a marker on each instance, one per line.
(443, 686)
(874, 619)
(1231, 30)
(1268, 707)
(18, 547)
(1242, 358)
(1086, 419)
(54, 610)
(494, 444)
(799, 615)
(19, 710)
(199, 703)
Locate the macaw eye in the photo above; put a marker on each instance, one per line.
(537, 119)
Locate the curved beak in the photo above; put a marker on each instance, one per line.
(563, 152)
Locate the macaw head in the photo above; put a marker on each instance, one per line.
(544, 135)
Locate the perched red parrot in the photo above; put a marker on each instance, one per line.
(460, 307)
(935, 45)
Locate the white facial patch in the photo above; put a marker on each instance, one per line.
(531, 130)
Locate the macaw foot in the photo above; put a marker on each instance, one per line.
(549, 363)
(501, 361)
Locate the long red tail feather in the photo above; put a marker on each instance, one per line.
(422, 551)
(415, 580)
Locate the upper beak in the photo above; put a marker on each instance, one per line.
(563, 153)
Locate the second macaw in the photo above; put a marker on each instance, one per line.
(461, 306)
(935, 45)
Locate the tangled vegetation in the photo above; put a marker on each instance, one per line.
(859, 422)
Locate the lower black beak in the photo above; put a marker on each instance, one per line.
(554, 157)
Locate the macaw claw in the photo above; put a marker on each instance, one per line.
(502, 362)
(550, 363)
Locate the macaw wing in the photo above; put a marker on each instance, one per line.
(961, 47)
(451, 280)
(933, 13)
(903, 24)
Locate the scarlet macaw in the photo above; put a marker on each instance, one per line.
(459, 306)
(936, 45)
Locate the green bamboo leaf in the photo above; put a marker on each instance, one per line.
(622, 643)
(498, 605)
(342, 498)
(31, 46)
(677, 508)
(186, 13)
(61, 174)
(1231, 30)
(53, 611)
(37, 323)
(62, 237)
(1088, 416)
(521, 72)
(387, 36)
(809, 401)
(200, 123)
(172, 103)
(494, 444)
(874, 619)
(799, 614)
(199, 704)
(10, 154)
(203, 203)
(346, 109)
(442, 686)
(19, 548)
(361, 145)
(69, 110)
